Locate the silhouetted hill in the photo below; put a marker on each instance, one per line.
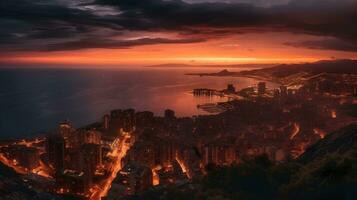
(339, 142)
(335, 66)
(173, 65)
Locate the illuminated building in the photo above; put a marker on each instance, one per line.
(109, 142)
(65, 129)
(27, 157)
(219, 153)
(134, 178)
(171, 174)
(190, 162)
(72, 182)
(91, 137)
(166, 152)
(151, 154)
(84, 137)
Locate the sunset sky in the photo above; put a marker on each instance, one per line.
(147, 32)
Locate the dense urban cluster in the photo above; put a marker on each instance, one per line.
(128, 152)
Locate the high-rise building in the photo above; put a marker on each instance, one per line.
(134, 178)
(122, 120)
(261, 88)
(106, 122)
(129, 120)
(114, 114)
(73, 182)
(219, 153)
(90, 158)
(91, 137)
(143, 153)
(169, 114)
(55, 148)
(144, 119)
(231, 88)
(84, 137)
(65, 129)
(115, 122)
(91, 154)
(166, 152)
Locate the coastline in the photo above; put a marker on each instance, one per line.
(238, 74)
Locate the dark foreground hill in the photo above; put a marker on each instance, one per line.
(340, 142)
(327, 171)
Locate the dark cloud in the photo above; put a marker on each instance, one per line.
(263, 3)
(115, 44)
(68, 25)
(318, 17)
(177, 14)
(335, 44)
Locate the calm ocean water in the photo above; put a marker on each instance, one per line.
(33, 101)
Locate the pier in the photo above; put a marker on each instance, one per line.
(204, 92)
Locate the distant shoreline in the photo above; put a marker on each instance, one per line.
(226, 73)
(212, 66)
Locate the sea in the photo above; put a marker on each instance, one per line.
(33, 101)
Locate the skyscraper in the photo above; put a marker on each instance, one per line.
(106, 120)
(169, 114)
(261, 88)
(65, 129)
(55, 148)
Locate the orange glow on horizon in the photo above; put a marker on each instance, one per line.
(265, 48)
(146, 61)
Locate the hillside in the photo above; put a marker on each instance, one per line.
(176, 65)
(285, 70)
(339, 142)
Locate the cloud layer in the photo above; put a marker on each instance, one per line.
(60, 25)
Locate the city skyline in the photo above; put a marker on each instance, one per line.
(178, 99)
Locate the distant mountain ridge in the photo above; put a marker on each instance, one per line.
(325, 66)
(173, 65)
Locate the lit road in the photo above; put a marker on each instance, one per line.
(117, 154)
